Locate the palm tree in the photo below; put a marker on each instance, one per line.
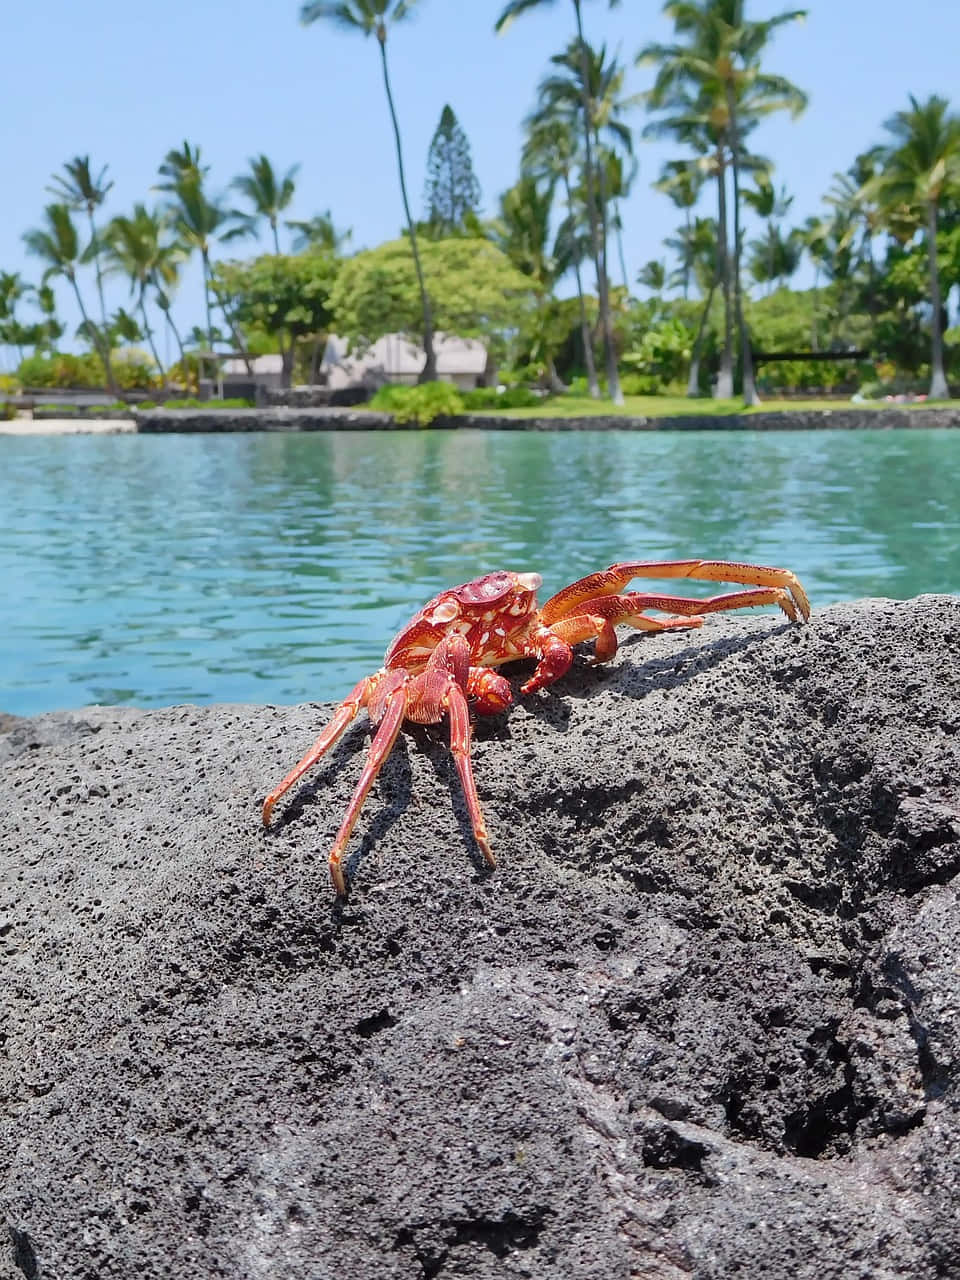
(268, 193)
(80, 191)
(921, 165)
(549, 154)
(177, 165)
(513, 10)
(137, 246)
(720, 62)
(198, 221)
(373, 17)
(58, 245)
(682, 181)
(12, 289)
(815, 234)
(522, 232)
(319, 233)
(772, 206)
(692, 122)
(706, 260)
(653, 276)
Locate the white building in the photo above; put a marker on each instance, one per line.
(395, 358)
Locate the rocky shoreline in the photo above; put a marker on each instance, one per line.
(703, 1020)
(363, 419)
(167, 421)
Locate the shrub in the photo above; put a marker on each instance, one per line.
(9, 384)
(420, 404)
(480, 398)
(641, 384)
(518, 398)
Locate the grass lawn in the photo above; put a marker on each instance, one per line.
(569, 406)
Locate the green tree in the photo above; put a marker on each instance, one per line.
(522, 233)
(285, 298)
(514, 9)
(81, 191)
(451, 191)
(772, 206)
(476, 291)
(374, 17)
(268, 193)
(12, 290)
(140, 247)
(319, 234)
(920, 166)
(717, 58)
(682, 181)
(200, 220)
(550, 155)
(58, 246)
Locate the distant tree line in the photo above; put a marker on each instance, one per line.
(885, 250)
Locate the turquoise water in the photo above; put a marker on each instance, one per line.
(276, 568)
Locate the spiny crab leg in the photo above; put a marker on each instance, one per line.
(579, 596)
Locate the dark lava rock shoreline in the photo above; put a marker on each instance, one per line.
(703, 1021)
(364, 419)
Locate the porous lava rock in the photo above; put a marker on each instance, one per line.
(702, 1021)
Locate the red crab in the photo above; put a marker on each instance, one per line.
(443, 659)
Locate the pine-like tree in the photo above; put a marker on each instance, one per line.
(452, 190)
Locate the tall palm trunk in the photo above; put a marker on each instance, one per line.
(938, 381)
(693, 379)
(723, 389)
(177, 338)
(89, 326)
(599, 249)
(429, 372)
(205, 260)
(585, 334)
(148, 331)
(103, 346)
(750, 396)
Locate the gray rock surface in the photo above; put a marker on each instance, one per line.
(703, 1021)
(299, 418)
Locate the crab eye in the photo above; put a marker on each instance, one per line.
(445, 611)
(486, 590)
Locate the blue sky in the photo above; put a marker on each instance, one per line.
(124, 81)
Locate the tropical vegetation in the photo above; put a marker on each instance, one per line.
(540, 275)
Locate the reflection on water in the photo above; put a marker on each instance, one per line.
(276, 568)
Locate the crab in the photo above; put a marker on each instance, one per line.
(443, 661)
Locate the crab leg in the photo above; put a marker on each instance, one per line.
(442, 689)
(394, 703)
(579, 597)
(358, 697)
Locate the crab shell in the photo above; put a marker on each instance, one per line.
(496, 613)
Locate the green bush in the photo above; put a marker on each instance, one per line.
(641, 384)
(518, 398)
(132, 369)
(480, 398)
(420, 404)
(7, 411)
(9, 384)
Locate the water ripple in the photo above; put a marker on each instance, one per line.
(154, 569)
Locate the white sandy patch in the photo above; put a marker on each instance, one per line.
(66, 426)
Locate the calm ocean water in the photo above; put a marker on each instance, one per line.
(276, 568)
